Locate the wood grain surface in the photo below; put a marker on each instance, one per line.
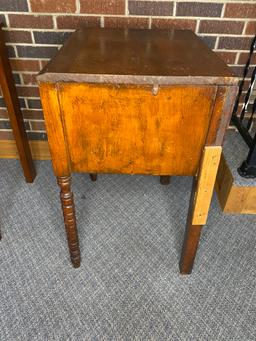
(55, 131)
(135, 56)
(135, 130)
(234, 199)
(205, 184)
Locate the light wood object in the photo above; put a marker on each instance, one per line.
(205, 184)
(233, 198)
(137, 102)
(39, 150)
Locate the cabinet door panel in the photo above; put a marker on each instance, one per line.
(140, 130)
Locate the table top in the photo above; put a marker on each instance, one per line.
(135, 56)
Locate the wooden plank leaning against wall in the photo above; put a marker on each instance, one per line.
(15, 115)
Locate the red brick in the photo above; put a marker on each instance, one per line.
(37, 125)
(217, 26)
(184, 24)
(34, 103)
(44, 62)
(251, 28)
(239, 70)
(27, 91)
(32, 114)
(36, 51)
(24, 65)
(150, 8)
(29, 78)
(228, 57)
(18, 36)
(240, 10)
(73, 22)
(2, 19)
(5, 124)
(6, 135)
(21, 102)
(39, 136)
(55, 6)
(210, 41)
(14, 5)
(3, 113)
(115, 22)
(49, 37)
(198, 9)
(102, 6)
(30, 21)
(234, 43)
(244, 57)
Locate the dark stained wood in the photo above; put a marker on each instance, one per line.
(200, 200)
(189, 249)
(55, 130)
(137, 57)
(191, 237)
(68, 209)
(221, 114)
(231, 93)
(15, 115)
(93, 176)
(165, 179)
(137, 102)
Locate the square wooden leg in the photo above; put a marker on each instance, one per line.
(199, 205)
(68, 208)
(93, 177)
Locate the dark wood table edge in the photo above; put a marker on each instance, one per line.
(49, 77)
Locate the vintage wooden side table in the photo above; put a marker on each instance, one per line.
(137, 102)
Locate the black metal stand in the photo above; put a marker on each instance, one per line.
(248, 167)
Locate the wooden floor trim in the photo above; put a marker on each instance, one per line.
(39, 149)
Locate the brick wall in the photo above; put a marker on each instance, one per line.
(35, 29)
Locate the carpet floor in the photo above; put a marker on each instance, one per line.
(128, 286)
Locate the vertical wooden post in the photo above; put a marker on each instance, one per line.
(68, 209)
(15, 115)
(199, 205)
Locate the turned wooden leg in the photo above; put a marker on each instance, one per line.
(68, 208)
(93, 176)
(165, 179)
(199, 205)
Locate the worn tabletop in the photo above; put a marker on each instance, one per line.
(136, 57)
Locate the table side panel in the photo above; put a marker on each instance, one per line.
(135, 129)
(55, 129)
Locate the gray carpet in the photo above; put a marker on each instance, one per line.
(128, 286)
